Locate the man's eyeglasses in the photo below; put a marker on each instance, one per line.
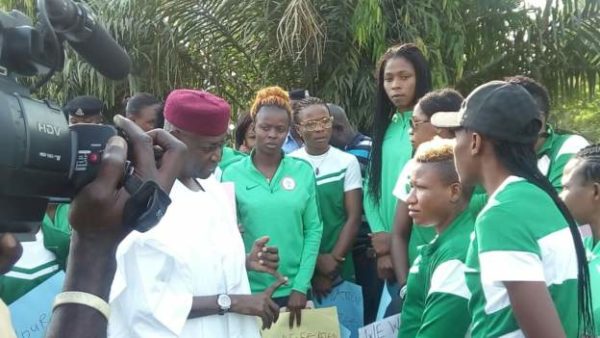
(315, 125)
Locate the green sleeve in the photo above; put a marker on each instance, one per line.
(230, 156)
(445, 315)
(313, 229)
(372, 212)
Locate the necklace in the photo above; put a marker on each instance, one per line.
(316, 166)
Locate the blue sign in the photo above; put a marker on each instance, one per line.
(31, 313)
(347, 298)
(344, 332)
(384, 302)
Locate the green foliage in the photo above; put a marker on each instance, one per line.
(331, 47)
(581, 115)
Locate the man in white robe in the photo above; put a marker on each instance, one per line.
(187, 276)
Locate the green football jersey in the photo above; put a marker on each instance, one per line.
(396, 151)
(41, 258)
(230, 156)
(285, 209)
(437, 294)
(554, 154)
(336, 173)
(422, 235)
(520, 235)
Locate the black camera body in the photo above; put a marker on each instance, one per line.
(42, 158)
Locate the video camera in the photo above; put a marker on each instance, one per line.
(42, 159)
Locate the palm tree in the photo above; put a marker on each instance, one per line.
(331, 46)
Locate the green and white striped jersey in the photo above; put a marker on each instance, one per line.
(520, 235)
(437, 294)
(336, 173)
(554, 154)
(41, 258)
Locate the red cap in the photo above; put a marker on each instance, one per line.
(197, 112)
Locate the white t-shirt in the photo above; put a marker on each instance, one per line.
(195, 250)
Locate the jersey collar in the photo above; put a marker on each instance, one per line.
(259, 177)
(401, 116)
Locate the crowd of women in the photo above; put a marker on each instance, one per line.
(461, 197)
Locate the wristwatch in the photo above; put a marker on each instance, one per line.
(224, 303)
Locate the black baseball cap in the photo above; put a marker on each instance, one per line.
(498, 109)
(84, 106)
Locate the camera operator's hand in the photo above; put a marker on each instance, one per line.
(106, 196)
(97, 220)
(10, 252)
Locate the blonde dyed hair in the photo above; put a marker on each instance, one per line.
(271, 96)
(436, 150)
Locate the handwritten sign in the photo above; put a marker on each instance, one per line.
(31, 313)
(386, 328)
(347, 298)
(316, 323)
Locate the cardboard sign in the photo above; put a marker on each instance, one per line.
(386, 328)
(31, 313)
(347, 298)
(316, 323)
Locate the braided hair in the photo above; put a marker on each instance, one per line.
(305, 103)
(384, 106)
(590, 162)
(521, 160)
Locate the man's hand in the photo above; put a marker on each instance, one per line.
(296, 303)
(96, 215)
(263, 258)
(385, 268)
(328, 265)
(260, 305)
(321, 286)
(97, 210)
(382, 243)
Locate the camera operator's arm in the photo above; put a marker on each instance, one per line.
(96, 217)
